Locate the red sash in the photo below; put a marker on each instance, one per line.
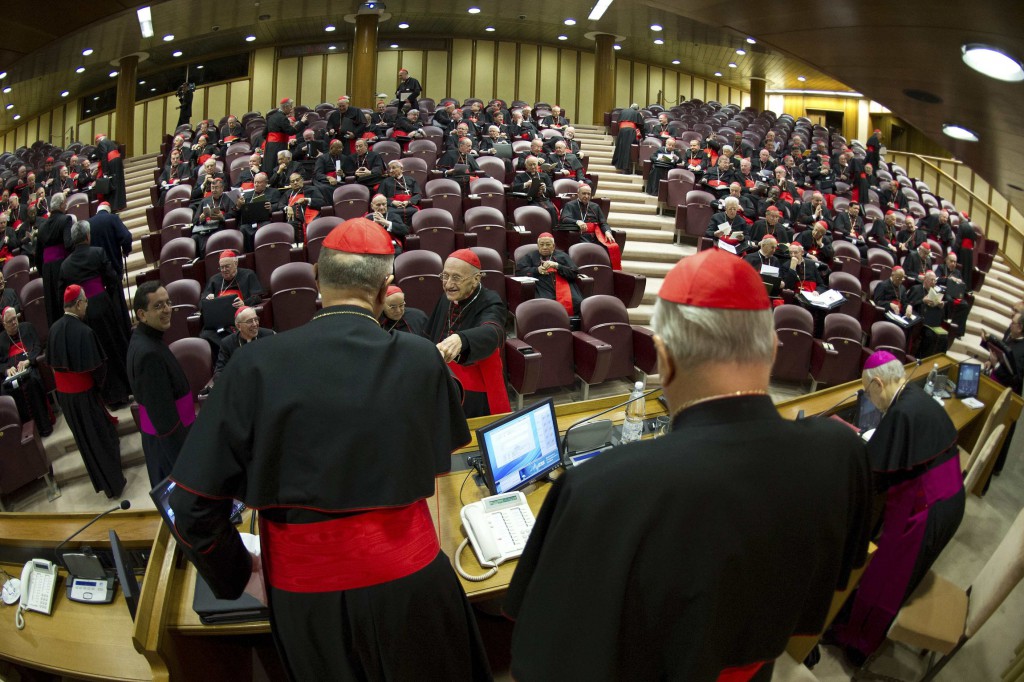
(308, 214)
(740, 673)
(786, 196)
(248, 185)
(716, 183)
(230, 292)
(808, 286)
(72, 382)
(627, 124)
(402, 197)
(351, 552)
(16, 349)
(967, 244)
(115, 154)
(614, 252)
(563, 293)
(230, 138)
(277, 137)
(399, 133)
(485, 376)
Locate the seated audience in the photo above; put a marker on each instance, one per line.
(555, 273)
(247, 326)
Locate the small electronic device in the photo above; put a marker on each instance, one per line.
(967, 380)
(497, 527)
(868, 415)
(38, 586)
(587, 441)
(91, 591)
(161, 496)
(520, 448)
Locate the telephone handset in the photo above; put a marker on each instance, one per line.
(497, 527)
(38, 585)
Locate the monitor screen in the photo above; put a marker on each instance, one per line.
(868, 415)
(520, 448)
(125, 574)
(161, 495)
(967, 380)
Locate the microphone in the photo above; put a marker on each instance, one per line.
(837, 404)
(82, 557)
(565, 437)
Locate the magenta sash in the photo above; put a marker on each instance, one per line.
(93, 287)
(186, 413)
(52, 253)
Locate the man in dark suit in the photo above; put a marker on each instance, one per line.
(247, 324)
(367, 166)
(109, 233)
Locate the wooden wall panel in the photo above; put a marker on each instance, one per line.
(262, 96)
(139, 129)
(216, 101)
(623, 83)
(585, 101)
(568, 88)
(505, 84)
(337, 77)
(697, 88)
(655, 84)
(548, 90)
(238, 99)
(310, 88)
(461, 69)
(154, 125)
(671, 88)
(287, 82)
(528, 74)
(59, 129)
(685, 87)
(483, 73)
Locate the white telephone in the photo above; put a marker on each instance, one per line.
(38, 583)
(498, 527)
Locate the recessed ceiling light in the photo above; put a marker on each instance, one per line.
(177, 53)
(152, 89)
(113, 74)
(7, 89)
(250, 39)
(616, 47)
(732, 65)
(655, 27)
(659, 41)
(86, 52)
(958, 132)
(489, 29)
(992, 62)
(801, 78)
(394, 46)
(563, 37)
(17, 117)
(329, 28)
(569, 22)
(169, 37)
(80, 69)
(473, 10)
(751, 41)
(403, 25)
(96, 98)
(741, 52)
(675, 61)
(200, 66)
(718, 74)
(65, 93)
(332, 47)
(3, 75)
(9, 107)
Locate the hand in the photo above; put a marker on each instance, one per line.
(255, 586)
(268, 206)
(22, 365)
(237, 302)
(11, 371)
(450, 348)
(332, 181)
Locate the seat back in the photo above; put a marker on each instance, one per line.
(1001, 574)
(423, 149)
(174, 254)
(844, 333)
(446, 195)
(417, 168)
(680, 183)
(180, 217)
(351, 201)
(22, 460)
(193, 354)
(493, 168)
(985, 456)
(16, 273)
(218, 243)
(418, 273)
(435, 228)
(316, 232)
(492, 266)
(698, 212)
(184, 293)
(880, 262)
(272, 249)
(535, 219)
(294, 295)
(389, 150)
(78, 206)
(848, 286)
(997, 415)
(544, 325)
(888, 336)
(592, 260)
(33, 306)
(794, 328)
(847, 256)
(489, 226)
(604, 317)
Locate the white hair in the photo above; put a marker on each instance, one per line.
(731, 201)
(695, 336)
(890, 372)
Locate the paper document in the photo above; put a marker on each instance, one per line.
(825, 299)
(726, 246)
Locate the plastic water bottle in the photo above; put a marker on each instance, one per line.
(929, 385)
(636, 411)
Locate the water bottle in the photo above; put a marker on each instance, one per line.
(633, 427)
(929, 385)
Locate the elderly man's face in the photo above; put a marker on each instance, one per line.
(694, 146)
(734, 190)
(255, 160)
(816, 199)
(771, 217)
(764, 155)
(950, 262)
(731, 210)
(493, 132)
(360, 146)
(545, 247)
(63, 172)
(394, 307)
(768, 246)
(583, 193)
(723, 163)
(670, 143)
(818, 231)
(465, 145)
(210, 167)
(11, 322)
(395, 170)
(897, 277)
(228, 268)
(560, 148)
(248, 323)
(910, 224)
(307, 135)
(459, 279)
(854, 210)
(217, 188)
(462, 129)
(379, 204)
(536, 146)
(796, 251)
(259, 183)
(928, 280)
(745, 166)
(662, 118)
(295, 181)
(531, 165)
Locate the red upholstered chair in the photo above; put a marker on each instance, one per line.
(592, 260)
(418, 274)
(512, 291)
(880, 264)
(848, 286)
(487, 192)
(16, 273)
(293, 298)
(888, 336)
(673, 191)
(388, 149)
(446, 195)
(316, 232)
(535, 219)
(841, 362)
(417, 168)
(543, 328)
(423, 149)
(185, 320)
(22, 458)
(78, 206)
(193, 354)
(432, 229)
(218, 243)
(493, 168)
(693, 220)
(351, 201)
(488, 224)
(33, 308)
(794, 327)
(605, 318)
(847, 257)
(585, 282)
(174, 256)
(274, 249)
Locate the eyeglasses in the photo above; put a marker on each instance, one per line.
(396, 306)
(253, 321)
(454, 279)
(162, 305)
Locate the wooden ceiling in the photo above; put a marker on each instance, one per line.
(877, 48)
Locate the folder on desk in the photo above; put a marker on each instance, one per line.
(212, 611)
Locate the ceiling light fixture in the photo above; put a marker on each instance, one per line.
(80, 69)
(751, 41)
(17, 117)
(332, 47)
(958, 132)
(616, 46)
(718, 74)
(731, 65)
(675, 61)
(826, 93)
(169, 37)
(113, 74)
(489, 29)
(9, 107)
(992, 62)
(65, 93)
(801, 78)
(145, 21)
(152, 89)
(659, 41)
(250, 39)
(329, 28)
(394, 46)
(563, 37)
(403, 25)
(7, 90)
(741, 52)
(569, 22)
(655, 27)
(599, 9)
(87, 51)
(473, 10)
(142, 82)
(3, 75)
(200, 66)
(177, 53)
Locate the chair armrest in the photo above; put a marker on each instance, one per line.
(629, 287)
(297, 254)
(267, 313)
(586, 284)
(412, 242)
(681, 219)
(645, 356)
(662, 191)
(465, 240)
(513, 240)
(524, 370)
(327, 211)
(230, 224)
(592, 357)
(516, 292)
(151, 244)
(154, 195)
(28, 432)
(196, 271)
(195, 324)
(426, 202)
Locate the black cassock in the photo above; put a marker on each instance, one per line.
(414, 321)
(112, 166)
(231, 344)
(166, 408)
(699, 552)
(78, 365)
(89, 267)
(279, 129)
(626, 138)
(30, 395)
(480, 323)
(318, 468)
(662, 161)
(52, 246)
(528, 265)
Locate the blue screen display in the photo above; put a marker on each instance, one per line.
(521, 448)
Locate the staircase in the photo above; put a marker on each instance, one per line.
(991, 311)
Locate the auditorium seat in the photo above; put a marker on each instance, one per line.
(389, 150)
(78, 205)
(487, 192)
(433, 229)
(842, 362)
(446, 195)
(494, 168)
(511, 291)
(693, 219)
(848, 286)
(185, 322)
(22, 458)
(847, 257)
(348, 201)
(16, 273)
(418, 274)
(488, 224)
(888, 336)
(543, 328)
(423, 149)
(293, 298)
(33, 307)
(794, 328)
(174, 256)
(193, 354)
(417, 168)
(592, 260)
(535, 219)
(316, 232)
(605, 318)
(274, 248)
(673, 190)
(880, 264)
(220, 241)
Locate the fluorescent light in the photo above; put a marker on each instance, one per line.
(563, 37)
(718, 74)
(403, 25)
(741, 52)
(113, 74)
(675, 61)
(250, 39)
(473, 10)
(200, 66)
(801, 78)
(731, 65)
(616, 46)
(329, 28)
(176, 53)
(569, 22)
(65, 93)
(169, 37)
(87, 51)
(80, 69)
(145, 21)
(958, 132)
(827, 93)
(332, 47)
(3, 75)
(751, 41)
(992, 62)
(142, 82)
(599, 9)
(489, 29)
(152, 89)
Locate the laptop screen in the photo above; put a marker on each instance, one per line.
(125, 575)
(868, 415)
(967, 380)
(520, 448)
(161, 495)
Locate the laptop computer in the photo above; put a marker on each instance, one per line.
(503, 150)
(218, 313)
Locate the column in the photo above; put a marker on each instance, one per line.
(604, 76)
(757, 86)
(127, 70)
(364, 61)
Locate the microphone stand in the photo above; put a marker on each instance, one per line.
(565, 436)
